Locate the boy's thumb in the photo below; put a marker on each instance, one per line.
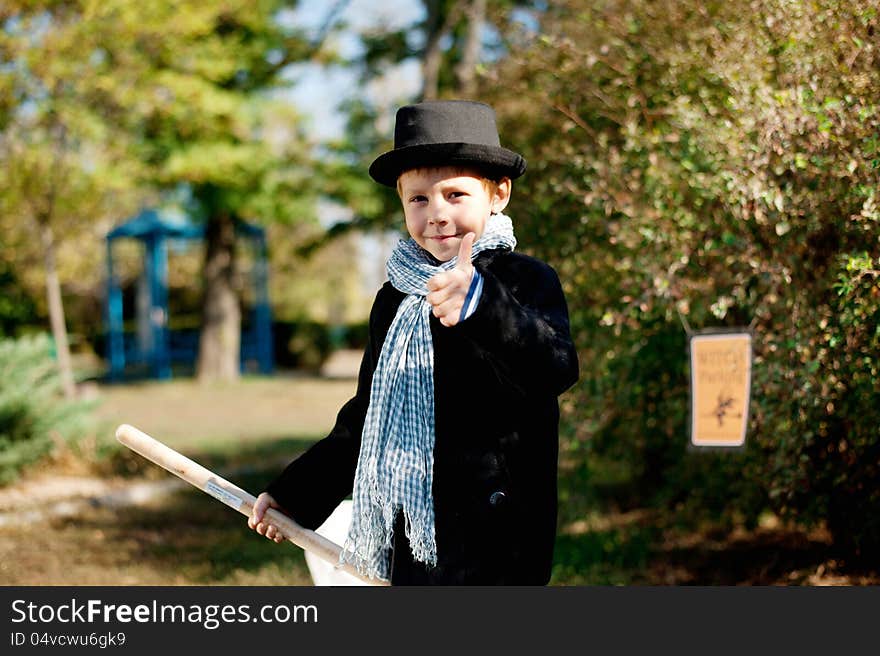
(465, 250)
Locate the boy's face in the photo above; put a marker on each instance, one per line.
(443, 204)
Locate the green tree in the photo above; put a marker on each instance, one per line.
(60, 161)
(200, 95)
(192, 93)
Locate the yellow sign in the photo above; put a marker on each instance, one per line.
(721, 382)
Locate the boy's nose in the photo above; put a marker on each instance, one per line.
(438, 220)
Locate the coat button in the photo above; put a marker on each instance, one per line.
(497, 498)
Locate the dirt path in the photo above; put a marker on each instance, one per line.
(184, 415)
(47, 497)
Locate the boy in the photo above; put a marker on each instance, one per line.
(449, 446)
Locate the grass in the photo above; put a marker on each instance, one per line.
(248, 431)
(251, 429)
(223, 418)
(184, 540)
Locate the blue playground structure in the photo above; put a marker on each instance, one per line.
(154, 344)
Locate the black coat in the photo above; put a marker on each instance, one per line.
(497, 376)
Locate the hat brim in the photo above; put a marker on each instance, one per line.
(493, 161)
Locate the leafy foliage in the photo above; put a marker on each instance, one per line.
(722, 163)
(115, 105)
(34, 417)
(17, 308)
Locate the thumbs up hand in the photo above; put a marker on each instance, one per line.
(448, 290)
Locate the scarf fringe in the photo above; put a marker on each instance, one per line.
(395, 469)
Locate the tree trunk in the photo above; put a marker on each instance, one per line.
(441, 19)
(219, 344)
(433, 55)
(466, 70)
(56, 312)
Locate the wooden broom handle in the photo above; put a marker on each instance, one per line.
(233, 496)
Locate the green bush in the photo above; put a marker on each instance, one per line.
(34, 416)
(692, 157)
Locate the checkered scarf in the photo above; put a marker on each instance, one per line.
(395, 467)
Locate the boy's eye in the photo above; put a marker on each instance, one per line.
(456, 194)
(417, 199)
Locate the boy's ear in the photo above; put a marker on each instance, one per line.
(502, 195)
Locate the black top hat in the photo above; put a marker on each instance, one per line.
(446, 132)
